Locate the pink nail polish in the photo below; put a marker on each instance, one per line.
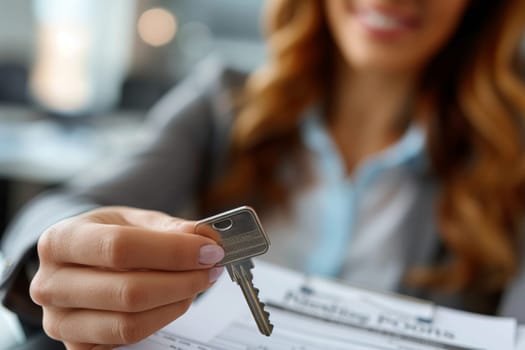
(211, 254)
(215, 273)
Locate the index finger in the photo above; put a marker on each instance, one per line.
(128, 247)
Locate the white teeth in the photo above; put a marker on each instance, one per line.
(379, 20)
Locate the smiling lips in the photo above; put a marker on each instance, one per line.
(385, 23)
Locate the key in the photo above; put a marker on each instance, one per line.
(242, 237)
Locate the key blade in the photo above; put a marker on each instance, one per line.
(243, 277)
(236, 274)
(257, 308)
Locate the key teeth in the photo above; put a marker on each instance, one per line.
(244, 279)
(265, 312)
(267, 331)
(263, 305)
(270, 326)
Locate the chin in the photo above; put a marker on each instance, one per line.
(381, 61)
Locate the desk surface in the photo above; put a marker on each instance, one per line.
(47, 151)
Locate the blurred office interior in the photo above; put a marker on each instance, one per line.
(78, 76)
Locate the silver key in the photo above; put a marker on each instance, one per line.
(242, 237)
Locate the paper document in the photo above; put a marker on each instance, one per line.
(520, 343)
(312, 313)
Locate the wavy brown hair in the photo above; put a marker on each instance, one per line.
(474, 135)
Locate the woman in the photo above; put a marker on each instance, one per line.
(381, 143)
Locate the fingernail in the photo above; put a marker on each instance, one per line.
(215, 273)
(211, 254)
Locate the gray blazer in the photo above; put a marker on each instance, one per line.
(191, 126)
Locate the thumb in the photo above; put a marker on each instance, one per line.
(155, 220)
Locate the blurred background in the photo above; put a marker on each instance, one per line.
(77, 77)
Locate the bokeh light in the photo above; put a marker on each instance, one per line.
(157, 26)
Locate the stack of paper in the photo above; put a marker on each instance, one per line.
(312, 313)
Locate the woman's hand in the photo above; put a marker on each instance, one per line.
(115, 275)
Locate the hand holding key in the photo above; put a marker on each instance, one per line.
(115, 275)
(242, 238)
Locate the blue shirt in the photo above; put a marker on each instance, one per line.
(340, 226)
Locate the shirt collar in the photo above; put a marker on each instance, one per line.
(409, 151)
